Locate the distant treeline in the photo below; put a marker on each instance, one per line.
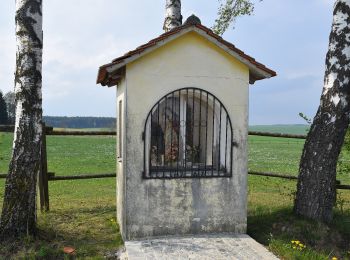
(80, 122)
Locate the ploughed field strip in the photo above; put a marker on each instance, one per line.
(212, 246)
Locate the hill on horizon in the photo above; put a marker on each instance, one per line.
(298, 129)
(80, 122)
(110, 122)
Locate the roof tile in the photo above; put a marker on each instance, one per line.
(102, 76)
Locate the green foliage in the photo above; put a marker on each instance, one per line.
(228, 12)
(3, 111)
(306, 118)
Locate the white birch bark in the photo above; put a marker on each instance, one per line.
(173, 17)
(19, 209)
(316, 191)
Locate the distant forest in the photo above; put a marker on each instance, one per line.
(80, 122)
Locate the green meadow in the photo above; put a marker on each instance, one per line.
(82, 212)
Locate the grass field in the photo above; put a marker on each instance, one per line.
(71, 155)
(82, 212)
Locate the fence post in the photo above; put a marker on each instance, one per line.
(43, 175)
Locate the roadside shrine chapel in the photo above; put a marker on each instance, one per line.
(182, 128)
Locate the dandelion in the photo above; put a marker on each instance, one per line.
(297, 245)
(334, 258)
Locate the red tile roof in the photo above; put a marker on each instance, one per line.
(104, 79)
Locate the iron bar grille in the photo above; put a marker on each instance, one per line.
(188, 134)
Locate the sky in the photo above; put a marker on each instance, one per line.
(288, 36)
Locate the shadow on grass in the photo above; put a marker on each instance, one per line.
(92, 232)
(97, 210)
(82, 223)
(278, 227)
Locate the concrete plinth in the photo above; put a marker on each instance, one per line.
(214, 246)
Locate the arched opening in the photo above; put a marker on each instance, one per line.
(188, 134)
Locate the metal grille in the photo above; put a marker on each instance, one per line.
(188, 134)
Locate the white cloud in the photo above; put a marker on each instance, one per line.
(302, 73)
(81, 35)
(7, 45)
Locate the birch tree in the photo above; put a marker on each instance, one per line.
(18, 216)
(173, 17)
(316, 189)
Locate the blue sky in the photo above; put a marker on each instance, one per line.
(289, 36)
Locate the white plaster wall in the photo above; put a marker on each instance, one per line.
(121, 93)
(180, 206)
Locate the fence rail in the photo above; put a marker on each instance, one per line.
(82, 176)
(50, 131)
(276, 175)
(52, 177)
(55, 132)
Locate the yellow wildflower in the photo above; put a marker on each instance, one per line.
(334, 258)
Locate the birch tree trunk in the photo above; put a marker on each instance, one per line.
(173, 17)
(18, 216)
(316, 191)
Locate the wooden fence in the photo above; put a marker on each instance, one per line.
(45, 176)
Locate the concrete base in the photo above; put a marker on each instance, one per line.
(213, 246)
